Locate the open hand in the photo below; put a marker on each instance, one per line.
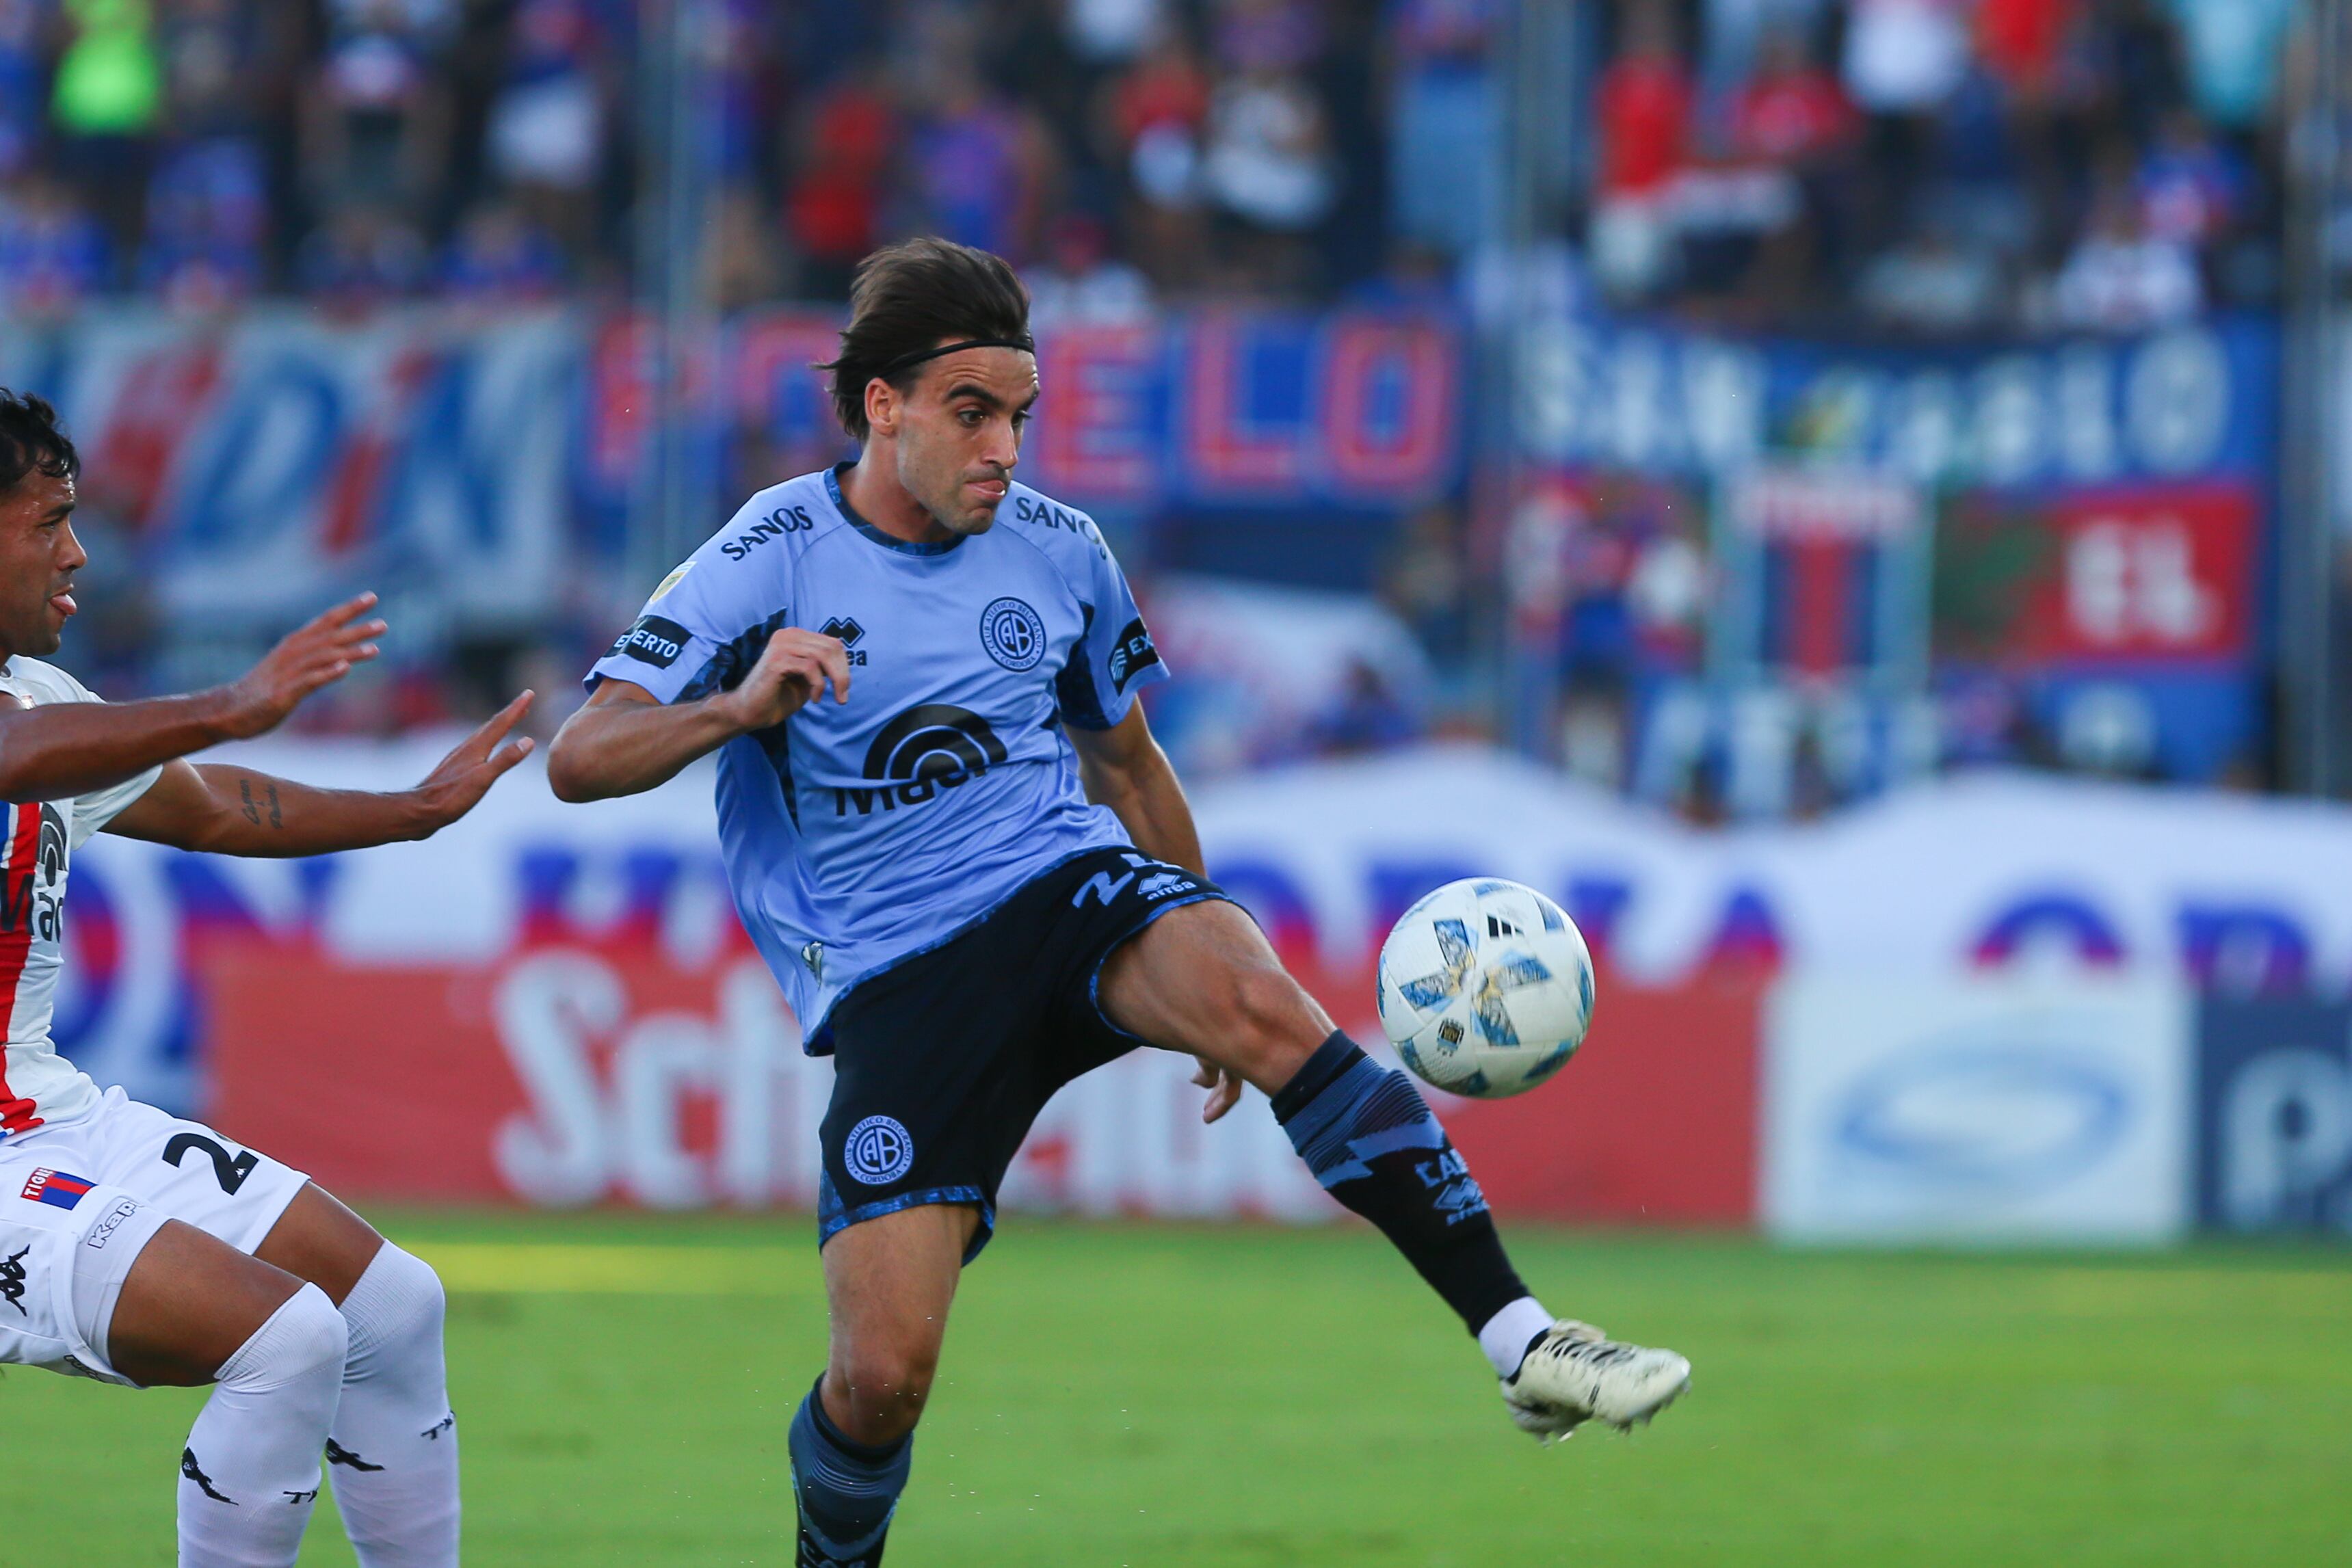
(793, 670)
(466, 774)
(305, 659)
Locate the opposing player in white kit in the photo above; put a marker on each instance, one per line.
(139, 1248)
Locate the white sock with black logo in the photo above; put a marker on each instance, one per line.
(393, 1456)
(250, 1471)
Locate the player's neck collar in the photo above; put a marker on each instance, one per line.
(888, 541)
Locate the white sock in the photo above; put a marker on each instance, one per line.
(250, 1471)
(392, 1458)
(1508, 1333)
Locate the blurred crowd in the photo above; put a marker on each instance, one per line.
(1933, 165)
(1941, 166)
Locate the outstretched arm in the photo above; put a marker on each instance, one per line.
(624, 741)
(1124, 769)
(61, 750)
(239, 811)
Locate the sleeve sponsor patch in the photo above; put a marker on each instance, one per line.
(1133, 654)
(653, 639)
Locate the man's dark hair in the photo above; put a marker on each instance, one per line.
(911, 298)
(30, 441)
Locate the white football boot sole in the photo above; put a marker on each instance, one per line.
(1574, 1374)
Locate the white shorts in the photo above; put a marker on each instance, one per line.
(78, 1200)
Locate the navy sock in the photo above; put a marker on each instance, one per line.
(846, 1491)
(1370, 1140)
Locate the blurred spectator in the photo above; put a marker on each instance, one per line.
(1426, 581)
(2190, 189)
(1445, 123)
(377, 115)
(1112, 32)
(1905, 58)
(207, 222)
(546, 134)
(742, 264)
(2232, 48)
(979, 166)
(1274, 36)
(1366, 717)
(1792, 111)
(1155, 114)
(1932, 283)
(2122, 278)
(501, 254)
(1642, 114)
(1080, 283)
(2022, 42)
(106, 101)
(24, 73)
(847, 141)
(361, 256)
(1268, 157)
(53, 253)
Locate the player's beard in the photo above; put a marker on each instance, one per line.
(938, 486)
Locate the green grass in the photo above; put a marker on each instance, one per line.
(1170, 1396)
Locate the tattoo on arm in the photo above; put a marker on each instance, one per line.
(253, 807)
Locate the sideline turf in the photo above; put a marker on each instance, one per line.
(1218, 1398)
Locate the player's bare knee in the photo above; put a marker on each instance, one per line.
(1271, 1021)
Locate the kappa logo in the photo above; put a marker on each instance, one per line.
(1132, 656)
(930, 748)
(878, 1150)
(655, 640)
(111, 1221)
(191, 1470)
(339, 1455)
(11, 1280)
(1013, 634)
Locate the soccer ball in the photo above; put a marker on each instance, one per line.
(1485, 987)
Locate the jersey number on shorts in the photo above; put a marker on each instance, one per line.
(230, 1172)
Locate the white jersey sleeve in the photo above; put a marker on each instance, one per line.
(42, 683)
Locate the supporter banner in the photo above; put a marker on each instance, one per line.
(2274, 1114)
(1356, 410)
(2195, 403)
(276, 460)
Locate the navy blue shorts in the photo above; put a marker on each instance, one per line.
(944, 1060)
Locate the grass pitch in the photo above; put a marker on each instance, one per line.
(1221, 1398)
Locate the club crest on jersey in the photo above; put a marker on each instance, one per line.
(1013, 634)
(928, 748)
(878, 1150)
(56, 1188)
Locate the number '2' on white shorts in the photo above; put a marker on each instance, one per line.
(78, 1200)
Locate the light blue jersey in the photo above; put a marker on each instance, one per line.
(859, 835)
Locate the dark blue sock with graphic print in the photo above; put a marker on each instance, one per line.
(1372, 1141)
(846, 1491)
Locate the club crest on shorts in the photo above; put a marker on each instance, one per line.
(878, 1150)
(1013, 634)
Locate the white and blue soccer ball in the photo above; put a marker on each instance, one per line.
(1485, 987)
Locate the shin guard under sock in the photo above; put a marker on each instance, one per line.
(1370, 1140)
(846, 1491)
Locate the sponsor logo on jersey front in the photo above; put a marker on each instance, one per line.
(879, 1151)
(844, 627)
(1013, 634)
(655, 640)
(56, 1188)
(928, 748)
(774, 526)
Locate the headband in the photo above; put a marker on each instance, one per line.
(1024, 343)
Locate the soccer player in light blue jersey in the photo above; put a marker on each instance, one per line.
(950, 834)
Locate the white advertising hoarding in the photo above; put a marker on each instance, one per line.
(2050, 1109)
